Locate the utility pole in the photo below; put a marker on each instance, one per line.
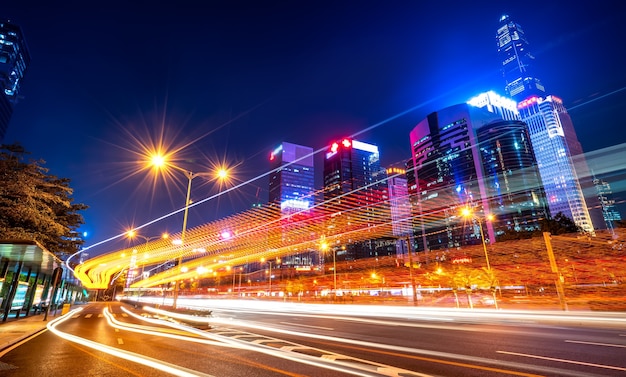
(408, 245)
(555, 268)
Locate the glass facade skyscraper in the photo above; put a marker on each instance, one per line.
(292, 189)
(562, 165)
(352, 174)
(292, 181)
(516, 61)
(545, 119)
(467, 156)
(14, 60)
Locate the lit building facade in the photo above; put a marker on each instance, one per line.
(400, 207)
(14, 60)
(291, 188)
(467, 156)
(292, 180)
(562, 165)
(352, 171)
(550, 130)
(609, 211)
(516, 61)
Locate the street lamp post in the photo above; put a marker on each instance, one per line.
(324, 247)
(270, 272)
(190, 176)
(409, 251)
(159, 161)
(335, 270)
(133, 234)
(466, 212)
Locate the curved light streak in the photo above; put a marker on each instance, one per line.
(126, 355)
(331, 364)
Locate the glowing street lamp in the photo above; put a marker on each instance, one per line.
(270, 271)
(467, 213)
(325, 248)
(133, 234)
(159, 161)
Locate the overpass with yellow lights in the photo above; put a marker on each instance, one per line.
(254, 234)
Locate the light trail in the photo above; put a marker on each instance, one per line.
(326, 363)
(563, 360)
(122, 354)
(468, 361)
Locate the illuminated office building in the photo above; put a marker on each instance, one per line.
(553, 138)
(516, 61)
(562, 165)
(352, 173)
(609, 211)
(292, 180)
(400, 207)
(14, 60)
(467, 156)
(291, 188)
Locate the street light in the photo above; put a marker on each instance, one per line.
(324, 248)
(467, 213)
(132, 234)
(270, 272)
(159, 161)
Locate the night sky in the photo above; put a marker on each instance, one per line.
(228, 81)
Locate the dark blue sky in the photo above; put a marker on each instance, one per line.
(231, 80)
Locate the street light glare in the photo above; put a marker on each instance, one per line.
(466, 212)
(222, 173)
(158, 160)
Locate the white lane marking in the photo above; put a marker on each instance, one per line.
(562, 360)
(120, 341)
(75, 316)
(124, 315)
(100, 315)
(596, 344)
(88, 315)
(312, 327)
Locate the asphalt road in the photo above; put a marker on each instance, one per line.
(283, 340)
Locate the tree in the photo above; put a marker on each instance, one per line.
(560, 224)
(35, 205)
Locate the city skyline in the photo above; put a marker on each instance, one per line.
(258, 107)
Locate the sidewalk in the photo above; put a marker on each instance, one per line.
(15, 330)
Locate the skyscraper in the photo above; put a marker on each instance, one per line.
(468, 156)
(400, 206)
(563, 168)
(292, 183)
(291, 188)
(14, 60)
(546, 122)
(610, 213)
(516, 61)
(352, 174)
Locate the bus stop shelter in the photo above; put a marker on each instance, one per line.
(29, 277)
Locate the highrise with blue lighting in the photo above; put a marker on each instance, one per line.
(353, 177)
(291, 188)
(562, 165)
(292, 182)
(517, 60)
(467, 156)
(14, 60)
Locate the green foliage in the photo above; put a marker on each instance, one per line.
(35, 205)
(559, 224)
